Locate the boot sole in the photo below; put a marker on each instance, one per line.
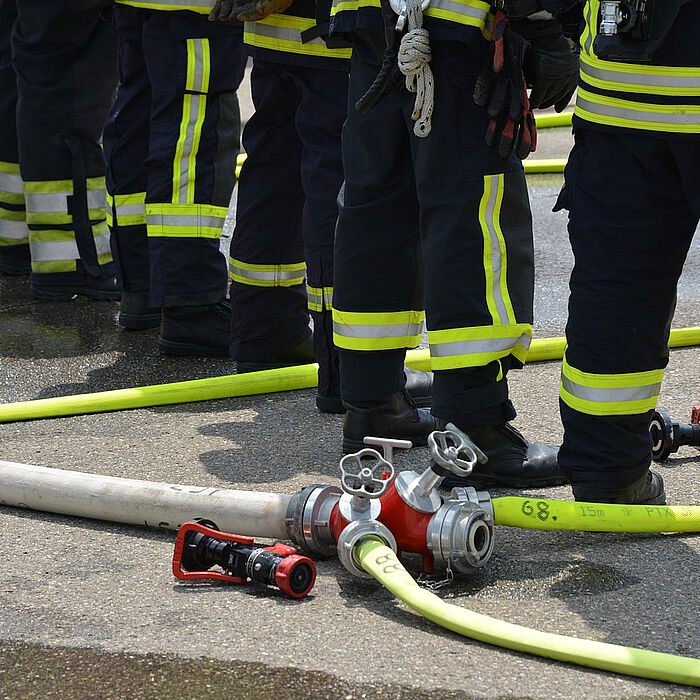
(332, 404)
(133, 322)
(172, 347)
(489, 482)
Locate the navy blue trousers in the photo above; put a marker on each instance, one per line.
(286, 216)
(634, 204)
(171, 143)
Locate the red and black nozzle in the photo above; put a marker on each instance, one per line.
(200, 545)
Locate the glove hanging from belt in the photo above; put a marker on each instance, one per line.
(242, 11)
(528, 50)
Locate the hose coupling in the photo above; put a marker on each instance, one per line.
(352, 535)
(461, 534)
(308, 519)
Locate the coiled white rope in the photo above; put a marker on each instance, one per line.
(414, 57)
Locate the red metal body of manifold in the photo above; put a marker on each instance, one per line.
(408, 526)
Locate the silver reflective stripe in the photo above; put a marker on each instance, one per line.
(53, 251)
(268, 275)
(11, 183)
(198, 81)
(632, 114)
(187, 146)
(130, 209)
(17, 230)
(314, 298)
(102, 244)
(328, 299)
(97, 199)
(490, 346)
(386, 331)
(588, 46)
(457, 8)
(668, 81)
(495, 251)
(275, 32)
(188, 221)
(47, 202)
(610, 395)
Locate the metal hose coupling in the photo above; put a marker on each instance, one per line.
(308, 519)
(460, 535)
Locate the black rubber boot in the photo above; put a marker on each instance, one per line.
(647, 490)
(395, 416)
(102, 288)
(302, 354)
(418, 384)
(136, 312)
(196, 330)
(513, 461)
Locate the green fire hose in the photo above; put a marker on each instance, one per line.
(229, 386)
(381, 562)
(540, 514)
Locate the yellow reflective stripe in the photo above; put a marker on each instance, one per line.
(474, 13)
(495, 256)
(319, 298)
(185, 220)
(610, 394)
(392, 330)
(54, 266)
(200, 6)
(478, 345)
(283, 33)
(129, 209)
(6, 167)
(12, 214)
(637, 115)
(11, 197)
(61, 186)
(283, 275)
(628, 77)
(194, 107)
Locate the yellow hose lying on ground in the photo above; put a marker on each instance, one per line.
(544, 165)
(380, 561)
(544, 121)
(229, 386)
(540, 514)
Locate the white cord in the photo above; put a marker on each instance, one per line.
(413, 59)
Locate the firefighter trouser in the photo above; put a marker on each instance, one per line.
(287, 211)
(171, 143)
(634, 202)
(59, 83)
(441, 223)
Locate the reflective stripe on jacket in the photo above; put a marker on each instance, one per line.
(664, 98)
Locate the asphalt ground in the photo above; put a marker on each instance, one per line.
(90, 609)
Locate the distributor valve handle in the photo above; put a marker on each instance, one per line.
(454, 451)
(365, 474)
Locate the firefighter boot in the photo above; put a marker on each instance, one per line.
(196, 330)
(418, 384)
(648, 490)
(103, 287)
(395, 416)
(136, 312)
(513, 462)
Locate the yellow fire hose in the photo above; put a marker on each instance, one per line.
(229, 386)
(540, 514)
(381, 562)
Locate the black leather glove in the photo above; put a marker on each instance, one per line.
(235, 10)
(551, 64)
(501, 89)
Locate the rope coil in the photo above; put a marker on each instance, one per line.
(413, 60)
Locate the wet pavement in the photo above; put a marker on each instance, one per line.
(91, 609)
